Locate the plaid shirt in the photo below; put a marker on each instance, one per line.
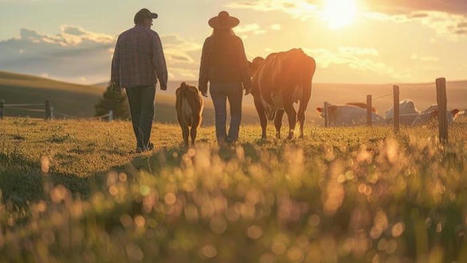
(138, 59)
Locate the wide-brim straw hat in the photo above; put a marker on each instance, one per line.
(224, 21)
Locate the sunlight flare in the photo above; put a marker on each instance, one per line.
(339, 13)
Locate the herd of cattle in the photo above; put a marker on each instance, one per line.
(285, 78)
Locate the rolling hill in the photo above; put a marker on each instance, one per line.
(78, 100)
(73, 100)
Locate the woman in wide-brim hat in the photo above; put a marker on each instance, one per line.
(225, 67)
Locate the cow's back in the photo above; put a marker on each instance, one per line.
(284, 73)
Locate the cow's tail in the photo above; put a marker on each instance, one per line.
(306, 86)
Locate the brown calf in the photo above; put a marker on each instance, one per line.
(189, 105)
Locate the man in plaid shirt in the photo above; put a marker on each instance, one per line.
(137, 63)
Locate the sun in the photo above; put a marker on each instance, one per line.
(339, 13)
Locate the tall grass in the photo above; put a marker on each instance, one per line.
(351, 195)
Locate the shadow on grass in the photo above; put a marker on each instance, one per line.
(22, 182)
(172, 157)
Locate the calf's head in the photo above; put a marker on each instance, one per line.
(187, 91)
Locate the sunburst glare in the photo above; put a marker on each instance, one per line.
(339, 13)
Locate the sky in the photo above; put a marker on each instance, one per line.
(353, 41)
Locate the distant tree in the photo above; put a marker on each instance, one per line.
(113, 99)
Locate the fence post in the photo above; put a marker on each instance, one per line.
(2, 108)
(442, 109)
(396, 113)
(369, 111)
(111, 115)
(326, 117)
(48, 110)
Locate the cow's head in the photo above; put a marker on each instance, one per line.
(320, 111)
(255, 65)
(331, 110)
(451, 115)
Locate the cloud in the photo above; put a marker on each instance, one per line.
(75, 54)
(417, 57)
(71, 54)
(301, 9)
(356, 58)
(409, 6)
(444, 24)
(245, 30)
(443, 16)
(276, 27)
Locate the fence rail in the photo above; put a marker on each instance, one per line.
(47, 110)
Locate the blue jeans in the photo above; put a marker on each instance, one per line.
(220, 93)
(141, 100)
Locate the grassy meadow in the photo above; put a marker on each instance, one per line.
(72, 191)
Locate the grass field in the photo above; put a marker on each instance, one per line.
(72, 191)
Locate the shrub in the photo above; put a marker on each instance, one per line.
(113, 99)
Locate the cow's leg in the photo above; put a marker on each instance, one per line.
(193, 132)
(262, 116)
(278, 123)
(292, 116)
(302, 109)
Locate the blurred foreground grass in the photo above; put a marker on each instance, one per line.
(72, 192)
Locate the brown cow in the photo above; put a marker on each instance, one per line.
(189, 106)
(278, 82)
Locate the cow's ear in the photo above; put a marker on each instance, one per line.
(454, 112)
(183, 84)
(319, 109)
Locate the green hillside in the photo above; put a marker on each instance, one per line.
(70, 99)
(77, 101)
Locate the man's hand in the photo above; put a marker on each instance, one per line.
(203, 90)
(163, 87)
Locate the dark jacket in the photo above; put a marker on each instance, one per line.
(223, 61)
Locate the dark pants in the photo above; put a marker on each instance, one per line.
(141, 100)
(220, 93)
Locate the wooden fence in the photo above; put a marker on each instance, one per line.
(46, 108)
(441, 97)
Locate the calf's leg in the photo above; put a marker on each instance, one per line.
(193, 132)
(185, 133)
